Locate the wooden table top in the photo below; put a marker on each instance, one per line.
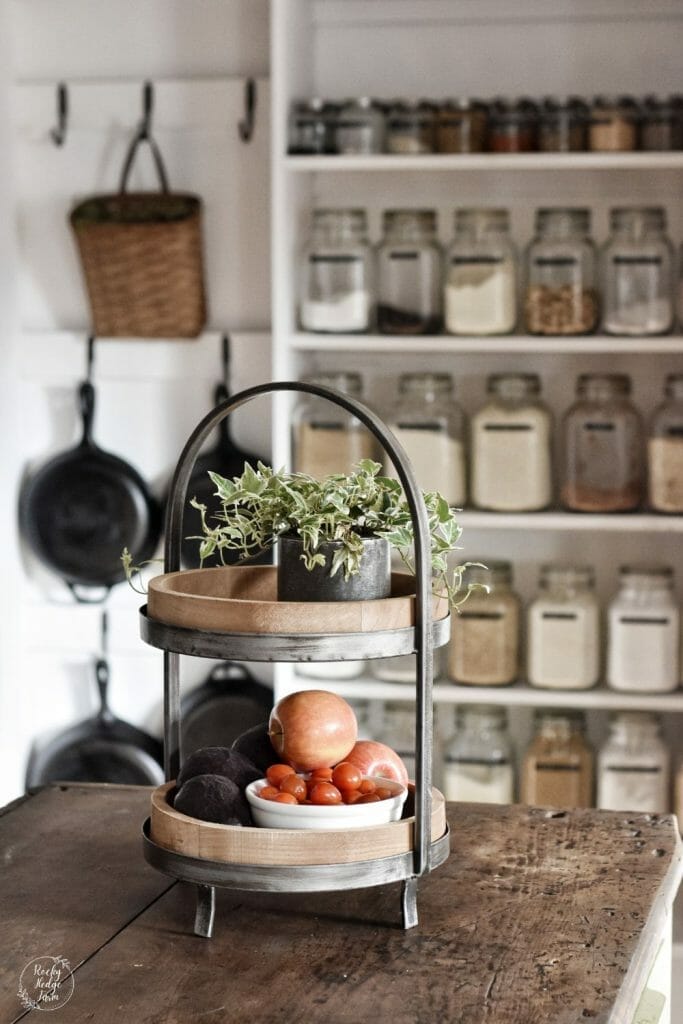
(538, 917)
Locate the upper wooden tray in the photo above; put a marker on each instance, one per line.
(243, 599)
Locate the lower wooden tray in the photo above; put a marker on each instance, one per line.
(235, 844)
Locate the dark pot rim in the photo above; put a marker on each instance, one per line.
(366, 538)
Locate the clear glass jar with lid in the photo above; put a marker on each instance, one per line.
(665, 450)
(430, 425)
(561, 291)
(614, 124)
(562, 125)
(360, 127)
(480, 292)
(558, 769)
(484, 645)
(327, 439)
(513, 126)
(461, 126)
(312, 126)
(409, 274)
(659, 128)
(398, 731)
(336, 280)
(637, 273)
(563, 630)
(510, 449)
(410, 127)
(643, 627)
(478, 759)
(602, 447)
(634, 765)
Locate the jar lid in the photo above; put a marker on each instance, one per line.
(562, 104)
(493, 713)
(425, 220)
(635, 719)
(603, 385)
(573, 717)
(513, 385)
(488, 572)
(623, 102)
(567, 575)
(340, 380)
(673, 385)
(495, 218)
(462, 103)
(638, 218)
(441, 382)
(563, 219)
(646, 571)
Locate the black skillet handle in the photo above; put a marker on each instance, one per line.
(86, 405)
(220, 394)
(104, 715)
(88, 595)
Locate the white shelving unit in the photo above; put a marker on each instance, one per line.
(599, 344)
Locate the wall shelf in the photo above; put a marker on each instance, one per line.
(615, 523)
(387, 162)
(597, 344)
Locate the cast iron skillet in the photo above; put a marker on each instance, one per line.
(82, 507)
(227, 703)
(227, 459)
(99, 749)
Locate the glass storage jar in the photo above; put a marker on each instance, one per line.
(613, 124)
(409, 274)
(561, 295)
(360, 127)
(480, 292)
(637, 273)
(513, 126)
(510, 448)
(634, 766)
(484, 644)
(327, 439)
(478, 760)
(563, 630)
(562, 125)
(602, 447)
(461, 126)
(312, 127)
(643, 632)
(410, 127)
(558, 769)
(337, 274)
(430, 425)
(659, 128)
(398, 731)
(401, 668)
(665, 450)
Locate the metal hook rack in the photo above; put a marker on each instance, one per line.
(246, 125)
(58, 133)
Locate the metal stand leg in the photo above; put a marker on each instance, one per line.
(409, 902)
(206, 911)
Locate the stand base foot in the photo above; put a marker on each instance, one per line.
(409, 902)
(206, 911)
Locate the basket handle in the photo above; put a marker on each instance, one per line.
(143, 136)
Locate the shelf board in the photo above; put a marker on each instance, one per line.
(388, 162)
(611, 523)
(519, 695)
(600, 344)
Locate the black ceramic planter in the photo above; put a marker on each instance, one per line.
(296, 583)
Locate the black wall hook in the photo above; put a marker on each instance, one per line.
(246, 125)
(58, 133)
(90, 356)
(145, 129)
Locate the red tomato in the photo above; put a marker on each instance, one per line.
(367, 786)
(295, 785)
(325, 793)
(351, 796)
(268, 793)
(277, 772)
(285, 798)
(346, 776)
(369, 798)
(321, 775)
(383, 793)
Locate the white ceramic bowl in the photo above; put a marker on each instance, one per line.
(268, 814)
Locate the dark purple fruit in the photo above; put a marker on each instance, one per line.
(213, 798)
(256, 746)
(232, 764)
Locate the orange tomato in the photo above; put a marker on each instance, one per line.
(277, 772)
(346, 776)
(383, 793)
(369, 798)
(367, 786)
(268, 793)
(321, 775)
(325, 793)
(285, 798)
(295, 785)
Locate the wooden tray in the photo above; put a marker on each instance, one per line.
(234, 844)
(243, 599)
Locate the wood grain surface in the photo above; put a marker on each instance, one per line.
(538, 917)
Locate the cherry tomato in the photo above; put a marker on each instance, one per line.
(285, 798)
(367, 786)
(268, 793)
(325, 793)
(369, 798)
(383, 793)
(321, 775)
(351, 796)
(346, 776)
(277, 772)
(295, 785)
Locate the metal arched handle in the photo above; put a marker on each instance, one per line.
(423, 606)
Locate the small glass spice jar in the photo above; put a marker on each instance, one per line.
(360, 128)
(563, 630)
(430, 425)
(613, 124)
(513, 126)
(665, 450)
(478, 759)
(602, 447)
(312, 126)
(510, 447)
(634, 766)
(336, 280)
(327, 439)
(637, 273)
(410, 128)
(480, 291)
(558, 769)
(461, 126)
(561, 295)
(643, 632)
(484, 645)
(409, 274)
(562, 125)
(659, 127)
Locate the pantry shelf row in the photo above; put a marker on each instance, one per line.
(387, 162)
(625, 522)
(597, 344)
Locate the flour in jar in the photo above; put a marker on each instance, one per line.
(437, 458)
(511, 460)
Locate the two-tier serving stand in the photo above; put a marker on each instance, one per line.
(420, 638)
